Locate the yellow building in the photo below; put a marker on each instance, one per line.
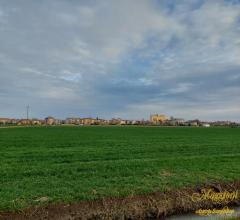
(157, 119)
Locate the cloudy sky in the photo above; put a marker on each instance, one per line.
(125, 58)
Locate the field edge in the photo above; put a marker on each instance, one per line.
(157, 205)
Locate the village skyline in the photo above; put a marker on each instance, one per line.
(29, 115)
(154, 119)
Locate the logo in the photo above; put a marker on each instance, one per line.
(215, 197)
(224, 211)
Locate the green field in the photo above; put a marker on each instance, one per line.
(81, 163)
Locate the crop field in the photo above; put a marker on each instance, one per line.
(69, 164)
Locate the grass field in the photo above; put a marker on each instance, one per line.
(81, 163)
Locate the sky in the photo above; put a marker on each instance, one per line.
(120, 58)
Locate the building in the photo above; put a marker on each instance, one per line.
(4, 121)
(73, 121)
(123, 122)
(222, 123)
(115, 121)
(50, 120)
(193, 123)
(175, 121)
(85, 121)
(158, 119)
(88, 121)
(13, 121)
(99, 121)
(36, 122)
(24, 122)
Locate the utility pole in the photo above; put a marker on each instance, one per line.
(28, 107)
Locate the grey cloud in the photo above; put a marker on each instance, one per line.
(104, 58)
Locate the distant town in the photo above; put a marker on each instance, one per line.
(154, 120)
